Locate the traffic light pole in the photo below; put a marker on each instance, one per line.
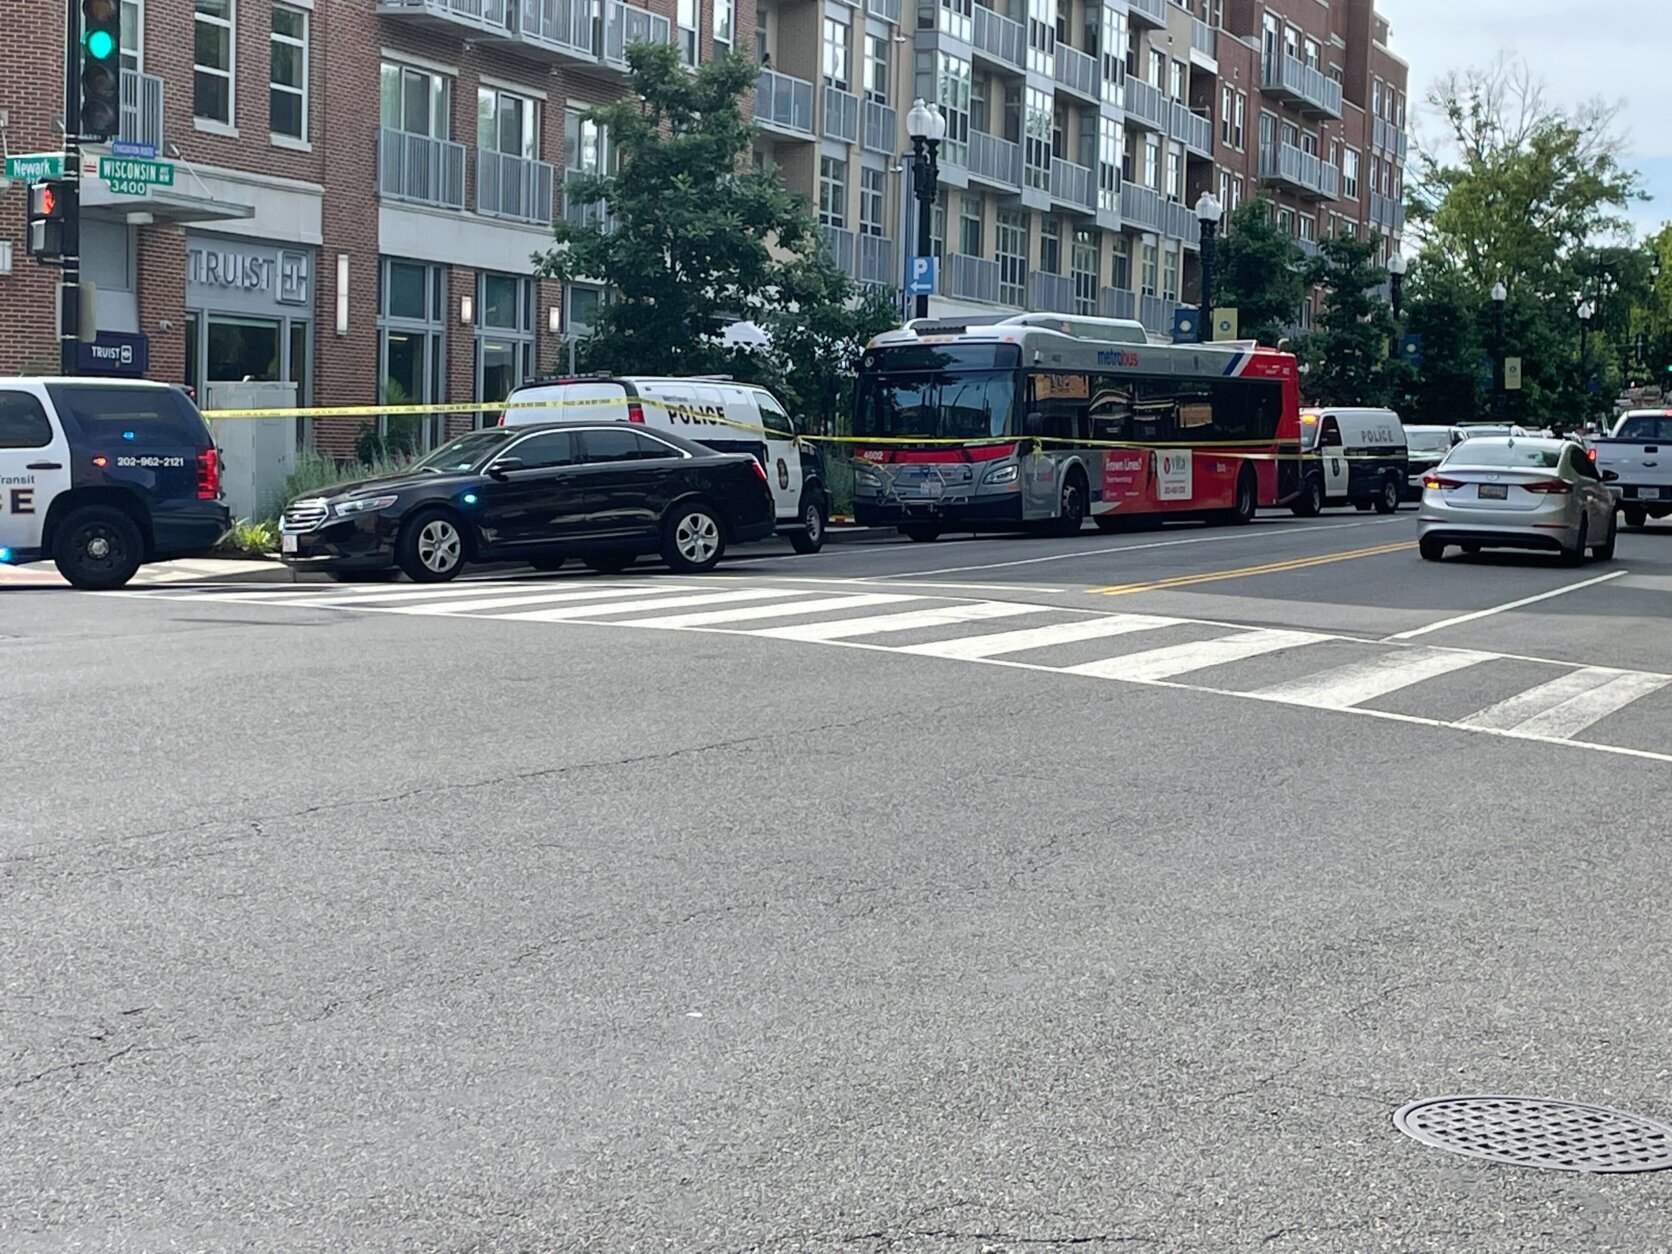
(69, 291)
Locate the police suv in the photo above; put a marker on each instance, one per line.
(105, 475)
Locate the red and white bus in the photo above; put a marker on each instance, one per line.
(995, 422)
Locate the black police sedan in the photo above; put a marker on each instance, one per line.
(604, 492)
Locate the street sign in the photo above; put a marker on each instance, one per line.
(124, 148)
(1225, 323)
(1410, 350)
(1185, 326)
(128, 176)
(921, 280)
(32, 167)
(1512, 374)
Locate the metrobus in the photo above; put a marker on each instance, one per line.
(994, 422)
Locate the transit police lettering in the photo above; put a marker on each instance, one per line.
(23, 500)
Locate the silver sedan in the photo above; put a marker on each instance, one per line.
(1515, 492)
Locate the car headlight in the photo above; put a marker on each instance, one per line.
(365, 504)
(867, 479)
(1001, 474)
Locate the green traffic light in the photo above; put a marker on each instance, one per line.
(100, 45)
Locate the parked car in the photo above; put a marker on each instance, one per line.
(726, 416)
(1506, 492)
(1638, 453)
(604, 492)
(104, 475)
(1426, 448)
(1351, 457)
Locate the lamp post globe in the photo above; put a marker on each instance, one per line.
(1208, 213)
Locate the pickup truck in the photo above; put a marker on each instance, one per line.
(1639, 451)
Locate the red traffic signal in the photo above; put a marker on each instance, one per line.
(50, 207)
(46, 202)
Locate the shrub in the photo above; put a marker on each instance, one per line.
(249, 539)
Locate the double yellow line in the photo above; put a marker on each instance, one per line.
(1269, 568)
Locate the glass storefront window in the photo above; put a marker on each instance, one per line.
(243, 348)
(405, 295)
(501, 301)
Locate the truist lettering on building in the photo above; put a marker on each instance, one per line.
(217, 268)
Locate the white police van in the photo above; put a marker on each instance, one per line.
(1352, 456)
(102, 476)
(726, 416)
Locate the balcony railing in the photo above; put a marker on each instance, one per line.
(972, 278)
(887, 10)
(1147, 104)
(560, 25)
(1000, 37)
(1156, 313)
(877, 263)
(484, 15)
(1119, 303)
(626, 24)
(1141, 207)
(1154, 11)
(1299, 171)
(1180, 222)
(880, 129)
(1050, 293)
(1387, 213)
(1073, 184)
(1302, 84)
(582, 213)
(1192, 130)
(1076, 71)
(1204, 39)
(514, 187)
(1308, 247)
(142, 109)
(784, 103)
(841, 115)
(420, 168)
(840, 244)
(1388, 137)
(995, 160)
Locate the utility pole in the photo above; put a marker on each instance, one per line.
(69, 290)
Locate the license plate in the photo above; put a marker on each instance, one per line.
(287, 544)
(1494, 492)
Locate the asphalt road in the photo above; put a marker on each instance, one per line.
(572, 914)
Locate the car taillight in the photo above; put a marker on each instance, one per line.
(500, 422)
(1435, 481)
(1591, 453)
(635, 412)
(208, 474)
(760, 470)
(1549, 487)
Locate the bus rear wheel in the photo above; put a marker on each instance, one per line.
(1244, 504)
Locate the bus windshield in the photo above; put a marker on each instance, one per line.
(936, 405)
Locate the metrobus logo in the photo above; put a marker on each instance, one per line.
(1126, 361)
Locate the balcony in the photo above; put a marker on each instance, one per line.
(1191, 129)
(880, 128)
(1388, 137)
(1387, 214)
(1145, 104)
(839, 243)
(841, 115)
(1050, 293)
(1156, 313)
(972, 278)
(995, 161)
(556, 29)
(625, 24)
(1299, 172)
(1118, 303)
(1300, 84)
(877, 263)
(580, 214)
(420, 169)
(784, 104)
(1076, 72)
(492, 16)
(1308, 248)
(1141, 207)
(141, 117)
(514, 187)
(1000, 39)
(887, 10)
(1204, 40)
(1073, 184)
(1180, 222)
(1152, 11)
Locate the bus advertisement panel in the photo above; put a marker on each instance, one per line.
(1009, 421)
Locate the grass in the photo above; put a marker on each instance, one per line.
(249, 539)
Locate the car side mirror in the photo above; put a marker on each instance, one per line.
(503, 466)
(1610, 476)
(1033, 424)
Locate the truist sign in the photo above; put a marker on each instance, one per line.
(224, 273)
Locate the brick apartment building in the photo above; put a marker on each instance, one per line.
(360, 183)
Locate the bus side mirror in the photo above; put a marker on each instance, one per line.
(1034, 424)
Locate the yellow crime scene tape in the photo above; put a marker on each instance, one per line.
(674, 409)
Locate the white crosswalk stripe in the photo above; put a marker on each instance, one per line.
(1561, 708)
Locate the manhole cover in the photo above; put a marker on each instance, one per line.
(1535, 1132)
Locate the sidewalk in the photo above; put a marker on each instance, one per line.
(193, 570)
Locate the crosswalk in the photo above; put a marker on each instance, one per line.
(1591, 707)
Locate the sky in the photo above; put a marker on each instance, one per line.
(1619, 50)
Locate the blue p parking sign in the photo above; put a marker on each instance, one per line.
(921, 280)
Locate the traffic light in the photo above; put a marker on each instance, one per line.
(101, 79)
(49, 206)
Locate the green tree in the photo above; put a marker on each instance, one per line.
(1258, 272)
(1443, 307)
(1346, 360)
(692, 237)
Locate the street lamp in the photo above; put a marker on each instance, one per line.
(1208, 213)
(1586, 311)
(1500, 294)
(1396, 282)
(927, 127)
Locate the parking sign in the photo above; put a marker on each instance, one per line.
(921, 281)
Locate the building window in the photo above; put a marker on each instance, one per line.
(1114, 52)
(1146, 269)
(1050, 245)
(1157, 69)
(833, 191)
(957, 18)
(415, 101)
(212, 44)
(1111, 144)
(132, 42)
(1175, 171)
(876, 68)
(287, 101)
(970, 233)
(1083, 265)
(1120, 262)
(1285, 221)
(1036, 141)
(947, 80)
(763, 44)
(873, 201)
(1307, 226)
(1012, 254)
(411, 347)
(1225, 189)
(504, 335)
(580, 310)
(688, 36)
(586, 144)
(1170, 276)
(1312, 53)
(1376, 97)
(725, 19)
(1242, 112)
(1349, 173)
(937, 227)
(836, 53)
(1227, 100)
(1152, 161)
(1175, 79)
(507, 123)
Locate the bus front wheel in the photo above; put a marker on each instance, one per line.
(1072, 514)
